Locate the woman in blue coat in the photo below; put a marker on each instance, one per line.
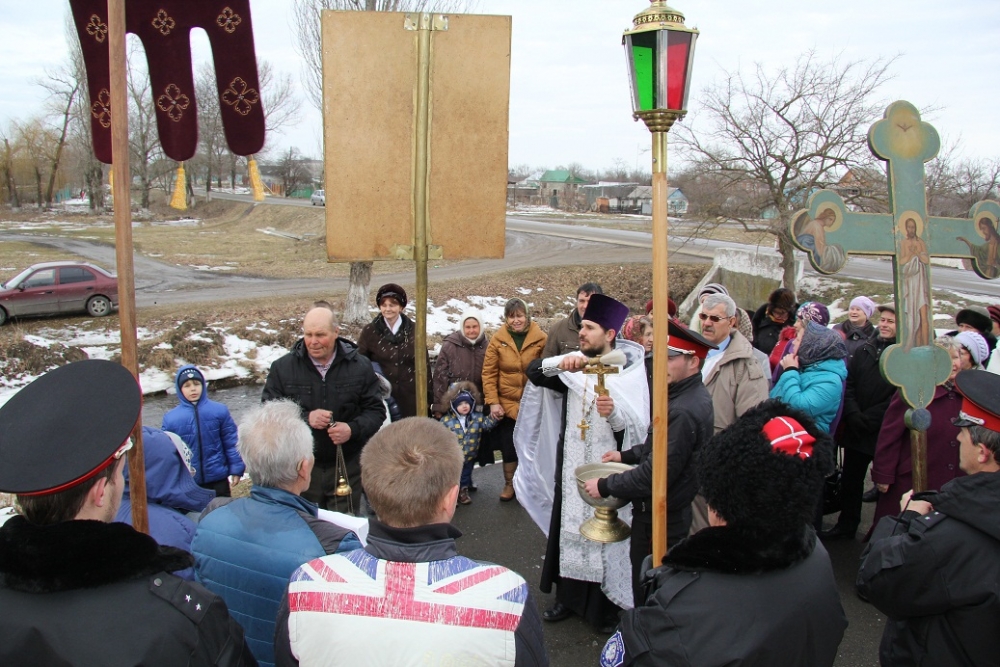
(814, 375)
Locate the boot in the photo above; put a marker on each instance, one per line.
(508, 481)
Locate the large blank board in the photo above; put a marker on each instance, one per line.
(369, 96)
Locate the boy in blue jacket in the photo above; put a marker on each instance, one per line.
(209, 430)
(468, 425)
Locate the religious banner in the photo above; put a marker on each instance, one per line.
(829, 231)
(371, 74)
(164, 27)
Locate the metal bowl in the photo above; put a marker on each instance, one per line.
(597, 471)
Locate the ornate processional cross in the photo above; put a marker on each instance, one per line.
(600, 369)
(828, 232)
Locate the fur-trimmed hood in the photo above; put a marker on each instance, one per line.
(741, 550)
(458, 387)
(80, 554)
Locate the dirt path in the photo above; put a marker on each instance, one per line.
(160, 283)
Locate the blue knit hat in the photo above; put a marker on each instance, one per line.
(463, 397)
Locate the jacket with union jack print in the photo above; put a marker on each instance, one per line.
(408, 598)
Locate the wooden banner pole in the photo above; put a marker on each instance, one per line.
(123, 243)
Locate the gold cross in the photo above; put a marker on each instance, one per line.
(595, 367)
(583, 426)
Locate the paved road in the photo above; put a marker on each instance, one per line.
(686, 249)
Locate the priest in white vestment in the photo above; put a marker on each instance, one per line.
(593, 580)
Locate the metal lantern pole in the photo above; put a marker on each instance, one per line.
(660, 52)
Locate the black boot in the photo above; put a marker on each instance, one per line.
(870, 496)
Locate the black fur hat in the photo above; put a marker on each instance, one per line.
(976, 317)
(755, 484)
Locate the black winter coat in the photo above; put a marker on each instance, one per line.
(935, 577)
(350, 391)
(866, 398)
(394, 352)
(690, 417)
(855, 337)
(93, 593)
(739, 598)
(765, 330)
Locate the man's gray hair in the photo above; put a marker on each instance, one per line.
(274, 439)
(713, 300)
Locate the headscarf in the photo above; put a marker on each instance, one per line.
(813, 311)
(632, 329)
(819, 344)
(743, 324)
(472, 315)
(712, 288)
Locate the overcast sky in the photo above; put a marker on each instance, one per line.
(569, 88)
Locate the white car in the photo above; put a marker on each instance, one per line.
(318, 198)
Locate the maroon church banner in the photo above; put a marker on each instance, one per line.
(164, 26)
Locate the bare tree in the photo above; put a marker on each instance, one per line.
(7, 166)
(308, 42)
(145, 153)
(290, 171)
(769, 139)
(63, 87)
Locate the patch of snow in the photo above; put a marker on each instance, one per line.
(522, 290)
(38, 341)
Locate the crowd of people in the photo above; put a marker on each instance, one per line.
(347, 529)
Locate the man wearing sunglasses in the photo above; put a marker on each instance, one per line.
(732, 376)
(68, 575)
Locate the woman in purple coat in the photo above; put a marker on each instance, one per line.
(892, 468)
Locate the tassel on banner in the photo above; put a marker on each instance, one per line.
(255, 184)
(179, 200)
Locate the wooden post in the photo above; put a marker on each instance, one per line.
(123, 244)
(660, 295)
(421, 168)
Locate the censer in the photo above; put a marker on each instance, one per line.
(343, 489)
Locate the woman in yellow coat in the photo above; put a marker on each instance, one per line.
(519, 342)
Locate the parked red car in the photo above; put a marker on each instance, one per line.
(51, 288)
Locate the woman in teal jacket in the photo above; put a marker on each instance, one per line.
(816, 383)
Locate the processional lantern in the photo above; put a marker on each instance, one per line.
(659, 50)
(660, 54)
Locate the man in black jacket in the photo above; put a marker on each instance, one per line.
(756, 587)
(340, 399)
(865, 402)
(690, 418)
(933, 570)
(72, 583)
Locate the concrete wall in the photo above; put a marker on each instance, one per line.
(749, 275)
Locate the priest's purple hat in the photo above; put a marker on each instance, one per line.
(606, 312)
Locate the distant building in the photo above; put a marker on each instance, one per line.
(606, 196)
(561, 187)
(640, 200)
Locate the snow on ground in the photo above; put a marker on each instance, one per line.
(242, 357)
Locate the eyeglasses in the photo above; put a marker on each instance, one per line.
(714, 318)
(124, 448)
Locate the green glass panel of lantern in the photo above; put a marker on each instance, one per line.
(644, 61)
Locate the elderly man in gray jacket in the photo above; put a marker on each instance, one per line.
(731, 374)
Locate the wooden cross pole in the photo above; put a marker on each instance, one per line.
(828, 232)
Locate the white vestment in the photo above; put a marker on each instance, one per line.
(536, 441)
